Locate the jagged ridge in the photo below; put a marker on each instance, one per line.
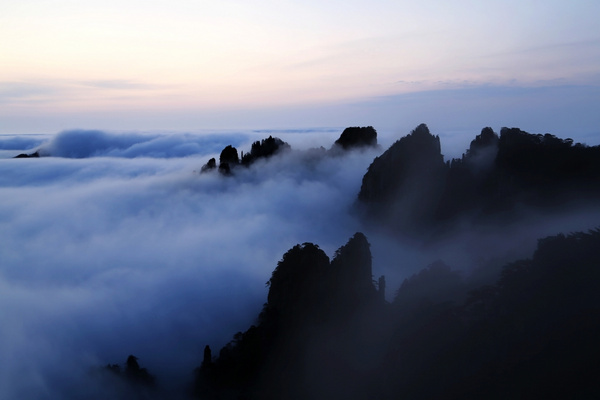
(409, 187)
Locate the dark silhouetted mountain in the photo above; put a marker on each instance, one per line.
(405, 183)
(351, 138)
(264, 149)
(357, 137)
(435, 284)
(351, 270)
(209, 166)
(229, 159)
(311, 302)
(32, 155)
(324, 334)
(307, 287)
(530, 334)
(225, 168)
(130, 381)
(134, 373)
(299, 286)
(410, 189)
(229, 155)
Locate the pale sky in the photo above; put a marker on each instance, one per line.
(183, 64)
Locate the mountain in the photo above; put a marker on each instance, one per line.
(326, 333)
(314, 307)
(357, 137)
(326, 330)
(405, 183)
(410, 189)
(35, 154)
(350, 139)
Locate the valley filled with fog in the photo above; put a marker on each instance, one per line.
(116, 244)
(130, 250)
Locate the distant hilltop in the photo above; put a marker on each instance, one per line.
(351, 138)
(411, 190)
(35, 154)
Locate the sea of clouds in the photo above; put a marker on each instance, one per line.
(115, 244)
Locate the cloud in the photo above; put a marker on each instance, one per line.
(53, 92)
(103, 257)
(21, 142)
(95, 143)
(129, 252)
(28, 91)
(119, 84)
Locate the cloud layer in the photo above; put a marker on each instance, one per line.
(106, 256)
(121, 247)
(94, 143)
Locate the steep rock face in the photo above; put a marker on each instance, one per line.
(404, 183)
(305, 331)
(298, 287)
(352, 273)
(499, 179)
(305, 285)
(481, 155)
(229, 155)
(498, 175)
(471, 178)
(228, 159)
(531, 331)
(543, 165)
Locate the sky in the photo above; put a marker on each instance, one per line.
(186, 65)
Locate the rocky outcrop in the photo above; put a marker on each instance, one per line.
(352, 277)
(404, 184)
(533, 330)
(357, 137)
(264, 149)
(32, 155)
(229, 158)
(411, 190)
(310, 299)
(209, 166)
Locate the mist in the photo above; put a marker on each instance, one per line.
(117, 245)
(118, 254)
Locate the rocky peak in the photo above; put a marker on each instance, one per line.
(357, 137)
